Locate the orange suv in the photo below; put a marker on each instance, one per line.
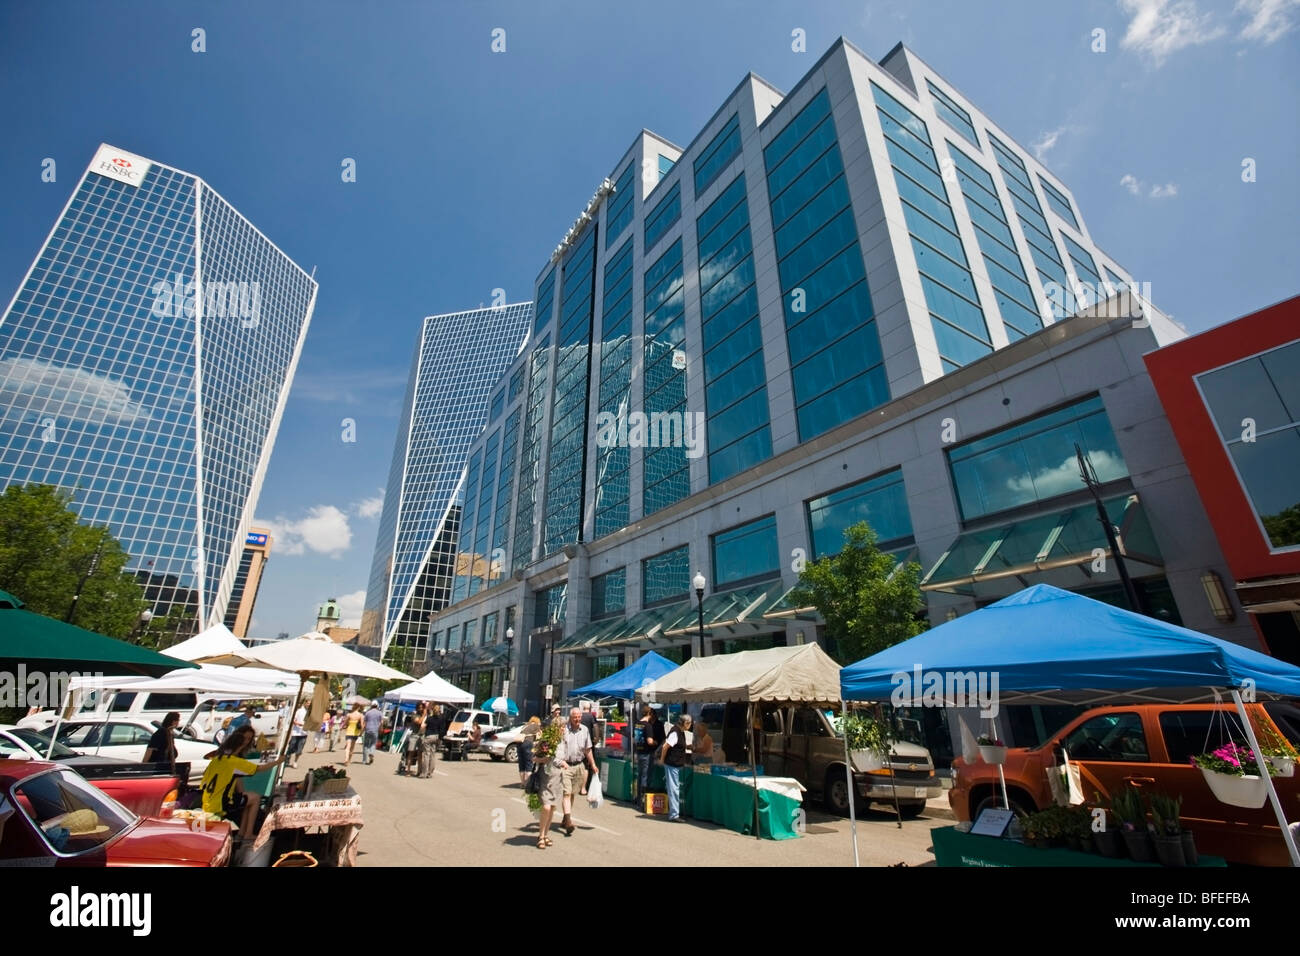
(1147, 746)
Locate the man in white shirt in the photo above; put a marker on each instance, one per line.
(574, 758)
(675, 754)
(297, 736)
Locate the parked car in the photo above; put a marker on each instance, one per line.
(456, 738)
(123, 703)
(1149, 747)
(614, 740)
(129, 739)
(51, 816)
(800, 741)
(207, 718)
(503, 744)
(23, 743)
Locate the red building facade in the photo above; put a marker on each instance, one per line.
(1232, 396)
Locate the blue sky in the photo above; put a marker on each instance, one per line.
(471, 164)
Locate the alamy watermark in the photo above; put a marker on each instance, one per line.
(925, 688)
(221, 300)
(653, 430)
(42, 689)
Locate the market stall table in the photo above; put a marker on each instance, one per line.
(729, 801)
(340, 814)
(954, 848)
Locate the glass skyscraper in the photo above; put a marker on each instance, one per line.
(144, 365)
(858, 300)
(459, 357)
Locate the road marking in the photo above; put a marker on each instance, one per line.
(594, 826)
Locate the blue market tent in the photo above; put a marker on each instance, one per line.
(1045, 645)
(648, 667)
(1051, 646)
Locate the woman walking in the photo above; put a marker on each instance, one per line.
(410, 761)
(546, 756)
(162, 745)
(525, 749)
(323, 731)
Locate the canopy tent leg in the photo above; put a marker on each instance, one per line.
(58, 721)
(848, 776)
(1263, 768)
(753, 767)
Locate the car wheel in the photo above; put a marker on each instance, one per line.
(835, 792)
(994, 802)
(512, 752)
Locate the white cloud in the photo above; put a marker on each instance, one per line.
(1270, 20)
(30, 388)
(371, 507)
(325, 530)
(1167, 191)
(1045, 142)
(1130, 183)
(350, 607)
(1163, 27)
(1049, 482)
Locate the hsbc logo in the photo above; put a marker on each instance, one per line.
(121, 166)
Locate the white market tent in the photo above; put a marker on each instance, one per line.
(206, 679)
(801, 673)
(431, 688)
(216, 645)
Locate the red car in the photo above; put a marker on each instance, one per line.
(615, 742)
(50, 816)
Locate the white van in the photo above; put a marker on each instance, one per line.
(149, 706)
(211, 712)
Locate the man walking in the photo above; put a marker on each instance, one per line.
(675, 754)
(374, 716)
(575, 759)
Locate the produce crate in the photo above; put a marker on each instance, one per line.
(331, 787)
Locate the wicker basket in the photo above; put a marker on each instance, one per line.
(336, 785)
(295, 858)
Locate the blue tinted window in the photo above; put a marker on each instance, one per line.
(880, 501)
(545, 302)
(951, 113)
(498, 405)
(665, 165)
(819, 262)
(664, 215)
(665, 576)
(1034, 461)
(619, 211)
(517, 382)
(715, 157)
(551, 606)
(609, 593)
(615, 389)
(666, 473)
(1058, 201)
(746, 552)
(1084, 264)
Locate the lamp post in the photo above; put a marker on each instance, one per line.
(141, 624)
(510, 647)
(699, 583)
(1089, 477)
(90, 569)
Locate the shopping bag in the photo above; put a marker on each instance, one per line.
(595, 796)
(1074, 783)
(534, 782)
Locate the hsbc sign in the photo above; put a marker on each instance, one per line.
(120, 165)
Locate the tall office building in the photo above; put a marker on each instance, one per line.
(144, 365)
(459, 357)
(861, 300)
(248, 581)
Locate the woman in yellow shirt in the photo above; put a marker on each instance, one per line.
(223, 794)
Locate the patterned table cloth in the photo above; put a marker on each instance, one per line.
(341, 814)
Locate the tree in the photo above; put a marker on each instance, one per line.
(1284, 527)
(867, 600)
(51, 562)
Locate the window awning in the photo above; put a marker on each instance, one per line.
(494, 655)
(1068, 539)
(731, 612)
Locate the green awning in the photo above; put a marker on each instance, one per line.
(780, 607)
(44, 644)
(1068, 539)
(493, 655)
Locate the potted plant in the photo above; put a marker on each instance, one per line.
(1109, 842)
(1032, 824)
(992, 750)
(1168, 835)
(1233, 776)
(868, 742)
(1081, 829)
(1132, 817)
(1278, 752)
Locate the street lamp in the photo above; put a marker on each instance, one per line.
(142, 623)
(510, 657)
(699, 583)
(90, 569)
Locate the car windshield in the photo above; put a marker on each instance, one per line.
(72, 815)
(461, 717)
(79, 735)
(41, 743)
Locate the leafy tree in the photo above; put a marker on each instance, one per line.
(47, 558)
(869, 602)
(1284, 527)
(399, 657)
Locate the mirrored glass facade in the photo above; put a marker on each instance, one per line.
(144, 365)
(459, 359)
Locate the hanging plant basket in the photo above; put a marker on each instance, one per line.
(867, 761)
(1284, 766)
(993, 755)
(1237, 791)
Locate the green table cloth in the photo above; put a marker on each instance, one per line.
(954, 848)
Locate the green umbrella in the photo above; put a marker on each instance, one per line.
(44, 644)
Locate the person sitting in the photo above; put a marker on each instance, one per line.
(223, 793)
(703, 744)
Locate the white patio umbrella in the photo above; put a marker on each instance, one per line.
(216, 645)
(315, 653)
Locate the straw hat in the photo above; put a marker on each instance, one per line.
(79, 823)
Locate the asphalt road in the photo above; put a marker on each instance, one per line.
(473, 813)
